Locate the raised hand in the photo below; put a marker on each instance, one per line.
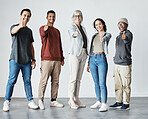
(23, 23)
(76, 33)
(101, 37)
(123, 35)
(45, 27)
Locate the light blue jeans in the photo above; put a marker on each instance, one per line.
(98, 67)
(14, 69)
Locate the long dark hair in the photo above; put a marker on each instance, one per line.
(102, 21)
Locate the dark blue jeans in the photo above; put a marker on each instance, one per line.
(98, 67)
(14, 69)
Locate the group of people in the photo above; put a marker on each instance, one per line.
(22, 58)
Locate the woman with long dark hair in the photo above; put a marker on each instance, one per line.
(98, 63)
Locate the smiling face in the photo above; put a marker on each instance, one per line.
(99, 26)
(51, 18)
(25, 16)
(122, 26)
(77, 18)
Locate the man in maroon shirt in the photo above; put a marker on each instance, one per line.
(51, 60)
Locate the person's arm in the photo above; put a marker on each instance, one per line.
(73, 32)
(88, 69)
(43, 31)
(90, 52)
(127, 37)
(62, 57)
(15, 29)
(33, 57)
(107, 37)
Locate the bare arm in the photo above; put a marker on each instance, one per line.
(33, 57)
(18, 27)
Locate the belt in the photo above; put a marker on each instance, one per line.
(98, 53)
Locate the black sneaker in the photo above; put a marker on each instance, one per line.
(116, 105)
(125, 107)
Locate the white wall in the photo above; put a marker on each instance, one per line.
(109, 10)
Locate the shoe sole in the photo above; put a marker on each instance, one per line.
(124, 109)
(103, 110)
(82, 106)
(33, 108)
(56, 106)
(6, 110)
(94, 108)
(115, 107)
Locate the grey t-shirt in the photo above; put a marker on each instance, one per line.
(21, 45)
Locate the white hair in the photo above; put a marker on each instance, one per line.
(77, 11)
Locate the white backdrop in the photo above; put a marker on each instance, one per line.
(109, 10)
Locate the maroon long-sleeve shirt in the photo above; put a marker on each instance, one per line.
(51, 44)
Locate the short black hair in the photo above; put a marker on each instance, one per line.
(28, 10)
(102, 21)
(50, 11)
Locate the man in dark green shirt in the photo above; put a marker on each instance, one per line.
(21, 58)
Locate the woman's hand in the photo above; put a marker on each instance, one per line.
(101, 37)
(76, 33)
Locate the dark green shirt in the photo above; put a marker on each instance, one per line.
(21, 45)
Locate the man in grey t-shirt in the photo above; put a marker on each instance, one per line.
(123, 63)
(21, 58)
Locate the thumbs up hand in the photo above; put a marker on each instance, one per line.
(23, 23)
(45, 28)
(101, 37)
(76, 33)
(123, 35)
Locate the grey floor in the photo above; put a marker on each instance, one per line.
(19, 110)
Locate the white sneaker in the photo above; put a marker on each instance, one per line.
(73, 105)
(55, 104)
(96, 105)
(41, 104)
(6, 106)
(103, 108)
(32, 105)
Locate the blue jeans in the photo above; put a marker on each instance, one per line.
(14, 69)
(98, 67)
